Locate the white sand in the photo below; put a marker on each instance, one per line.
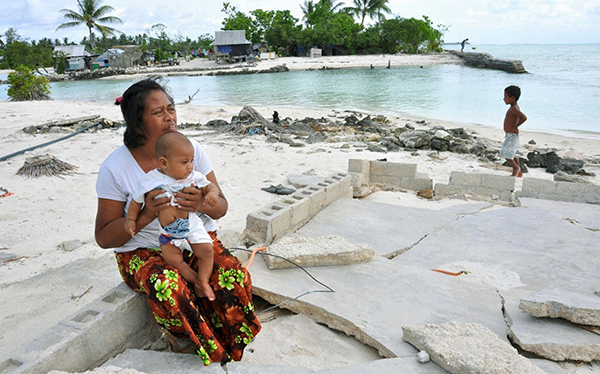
(45, 212)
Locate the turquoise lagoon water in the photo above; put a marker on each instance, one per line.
(560, 94)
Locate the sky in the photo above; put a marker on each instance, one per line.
(482, 21)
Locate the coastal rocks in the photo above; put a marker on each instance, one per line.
(553, 163)
(70, 125)
(487, 61)
(467, 348)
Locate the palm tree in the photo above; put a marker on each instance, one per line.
(92, 14)
(369, 8)
(308, 9)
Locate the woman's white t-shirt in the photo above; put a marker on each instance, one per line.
(118, 179)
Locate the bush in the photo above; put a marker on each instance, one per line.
(24, 85)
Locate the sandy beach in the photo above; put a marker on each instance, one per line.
(42, 214)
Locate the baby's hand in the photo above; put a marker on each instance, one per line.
(211, 199)
(130, 227)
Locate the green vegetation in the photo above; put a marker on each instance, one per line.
(93, 15)
(24, 85)
(325, 24)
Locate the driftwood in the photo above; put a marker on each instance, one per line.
(67, 122)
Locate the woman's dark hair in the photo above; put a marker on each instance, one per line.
(132, 106)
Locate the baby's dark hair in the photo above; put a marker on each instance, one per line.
(513, 91)
(170, 141)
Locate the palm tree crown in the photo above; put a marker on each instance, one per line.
(369, 8)
(91, 14)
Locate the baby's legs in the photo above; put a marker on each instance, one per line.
(204, 252)
(173, 256)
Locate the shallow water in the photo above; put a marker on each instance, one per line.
(561, 93)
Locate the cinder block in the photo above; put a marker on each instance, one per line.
(280, 220)
(538, 186)
(258, 227)
(10, 365)
(416, 184)
(442, 189)
(574, 189)
(386, 180)
(459, 178)
(90, 337)
(499, 182)
(359, 166)
(332, 190)
(378, 168)
(299, 207)
(401, 170)
(316, 196)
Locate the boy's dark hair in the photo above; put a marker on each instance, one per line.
(132, 106)
(513, 91)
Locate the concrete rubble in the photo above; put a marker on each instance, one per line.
(469, 264)
(468, 348)
(322, 251)
(573, 306)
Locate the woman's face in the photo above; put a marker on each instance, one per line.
(159, 116)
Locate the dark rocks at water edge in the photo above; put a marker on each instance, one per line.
(378, 134)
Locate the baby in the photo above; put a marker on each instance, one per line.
(179, 229)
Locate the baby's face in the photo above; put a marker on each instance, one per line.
(180, 163)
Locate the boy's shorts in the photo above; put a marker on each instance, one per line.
(510, 146)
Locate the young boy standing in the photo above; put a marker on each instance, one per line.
(514, 118)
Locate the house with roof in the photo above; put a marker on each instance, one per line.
(232, 45)
(78, 58)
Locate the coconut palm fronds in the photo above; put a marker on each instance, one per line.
(47, 165)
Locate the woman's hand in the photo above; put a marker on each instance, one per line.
(151, 206)
(190, 199)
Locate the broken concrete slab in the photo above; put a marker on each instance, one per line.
(468, 348)
(389, 229)
(321, 251)
(162, 362)
(554, 339)
(58, 293)
(555, 302)
(391, 293)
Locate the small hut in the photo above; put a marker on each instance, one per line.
(232, 45)
(78, 58)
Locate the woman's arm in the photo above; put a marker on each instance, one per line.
(110, 223)
(191, 199)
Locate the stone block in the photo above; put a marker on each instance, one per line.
(386, 180)
(118, 320)
(459, 178)
(280, 220)
(300, 209)
(316, 196)
(321, 251)
(442, 189)
(395, 169)
(359, 166)
(332, 190)
(575, 189)
(468, 348)
(499, 182)
(258, 227)
(416, 184)
(538, 186)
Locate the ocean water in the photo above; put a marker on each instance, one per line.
(561, 93)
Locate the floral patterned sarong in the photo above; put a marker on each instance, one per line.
(219, 330)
